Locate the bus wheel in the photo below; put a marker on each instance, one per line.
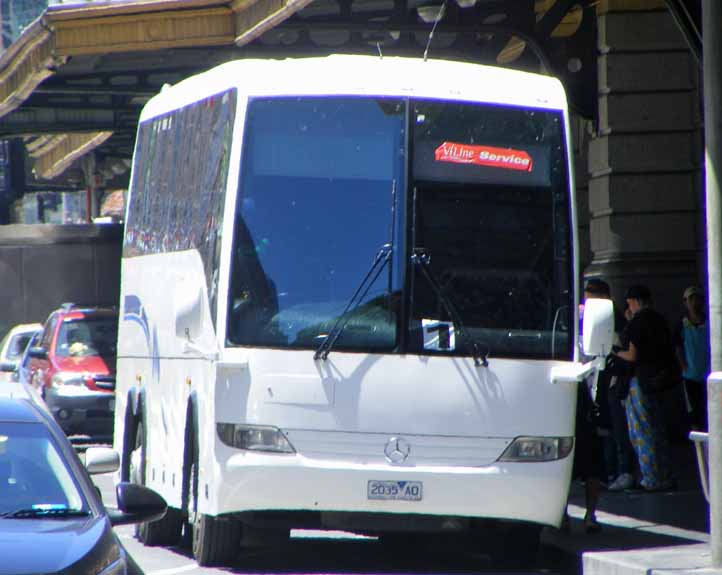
(216, 541)
(213, 540)
(165, 531)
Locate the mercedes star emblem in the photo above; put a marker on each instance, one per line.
(397, 450)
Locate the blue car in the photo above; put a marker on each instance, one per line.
(52, 519)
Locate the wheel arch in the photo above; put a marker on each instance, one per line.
(190, 439)
(134, 414)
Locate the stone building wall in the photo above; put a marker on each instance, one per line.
(645, 158)
(43, 266)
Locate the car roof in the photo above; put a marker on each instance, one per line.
(26, 328)
(18, 410)
(87, 311)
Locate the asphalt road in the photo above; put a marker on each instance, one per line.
(328, 552)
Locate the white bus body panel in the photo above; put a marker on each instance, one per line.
(366, 76)
(457, 418)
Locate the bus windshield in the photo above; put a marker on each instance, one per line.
(316, 205)
(328, 182)
(491, 216)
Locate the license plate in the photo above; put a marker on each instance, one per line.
(395, 490)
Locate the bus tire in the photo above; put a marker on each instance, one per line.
(189, 480)
(166, 530)
(216, 541)
(212, 540)
(129, 431)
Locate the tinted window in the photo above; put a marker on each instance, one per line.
(324, 187)
(15, 344)
(87, 336)
(33, 473)
(49, 331)
(321, 180)
(18, 344)
(179, 183)
(491, 212)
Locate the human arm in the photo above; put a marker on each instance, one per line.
(629, 354)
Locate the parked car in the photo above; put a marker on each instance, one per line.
(14, 389)
(13, 386)
(21, 372)
(52, 519)
(73, 367)
(15, 343)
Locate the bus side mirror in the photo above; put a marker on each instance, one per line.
(598, 327)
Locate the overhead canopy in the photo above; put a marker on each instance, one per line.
(77, 77)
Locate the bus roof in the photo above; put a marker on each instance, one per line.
(365, 76)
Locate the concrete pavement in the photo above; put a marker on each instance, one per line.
(643, 533)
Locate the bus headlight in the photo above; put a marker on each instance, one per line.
(538, 449)
(254, 437)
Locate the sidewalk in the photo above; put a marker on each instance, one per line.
(642, 533)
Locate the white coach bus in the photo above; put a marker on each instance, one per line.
(349, 301)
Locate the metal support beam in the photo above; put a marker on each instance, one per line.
(686, 14)
(65, 151)
(712, 64)
(254, 17)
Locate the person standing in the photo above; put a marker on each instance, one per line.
(588, 464)
(651, 351)
(692, 348)
(610, 391)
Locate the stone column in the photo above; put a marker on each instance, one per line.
(645, 159)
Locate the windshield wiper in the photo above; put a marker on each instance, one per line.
(422, 259)
(44, 512)
(382, 258)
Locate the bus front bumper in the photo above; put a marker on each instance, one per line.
(530, 492)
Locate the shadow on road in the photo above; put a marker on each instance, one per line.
(428, 555)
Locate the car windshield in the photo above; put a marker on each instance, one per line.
(33, 473)
(87, 336)
(16, 344)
